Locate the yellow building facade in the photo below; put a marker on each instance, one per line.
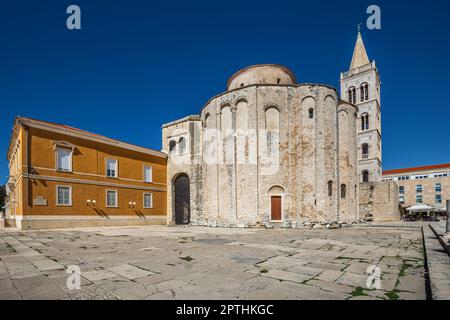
(428, 185)
(62, 177)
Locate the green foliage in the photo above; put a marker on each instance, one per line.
(358, 292)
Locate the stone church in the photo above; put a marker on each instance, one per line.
(270, 151)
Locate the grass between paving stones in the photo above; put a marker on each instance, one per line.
(392, 295)
(406, 264)
(358, 292)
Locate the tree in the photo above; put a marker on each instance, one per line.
(2, 197)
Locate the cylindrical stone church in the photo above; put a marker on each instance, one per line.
(268, 151)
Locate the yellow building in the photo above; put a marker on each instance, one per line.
(65, 177)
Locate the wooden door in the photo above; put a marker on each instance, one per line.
(275, 208)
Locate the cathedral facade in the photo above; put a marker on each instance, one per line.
(271, 151)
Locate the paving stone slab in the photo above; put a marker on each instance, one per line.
(96, 275)
(286, 276)
(129, 271)
(329, 275)
(39, 288)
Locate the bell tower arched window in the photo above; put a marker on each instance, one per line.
(352, 95)
(364, 92)
(365, 122)
(365, 151)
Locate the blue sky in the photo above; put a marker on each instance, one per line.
(138, 64)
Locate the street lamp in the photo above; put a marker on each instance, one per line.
(448, 218)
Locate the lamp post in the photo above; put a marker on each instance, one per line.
(448, 218)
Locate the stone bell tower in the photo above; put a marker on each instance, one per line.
(361, 87)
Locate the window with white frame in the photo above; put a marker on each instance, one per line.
(148, 174)
(419, 188)
(148, 200)
(437, 187)
(438, 198)
(64, 160)
(111, 198)
(111, 168)
(64, 196)
(401, 199)
(401, 189)
(418, 199)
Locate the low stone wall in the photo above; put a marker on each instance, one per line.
(378, 201)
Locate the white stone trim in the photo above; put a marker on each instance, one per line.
(89, 217)
(95, 183)
(96, 175)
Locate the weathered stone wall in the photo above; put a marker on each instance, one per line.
(232, 188)
(187, 162)
(256, 141)
(379, 201)
(348, 164)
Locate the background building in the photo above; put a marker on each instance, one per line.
(428, 185)
(65, 177)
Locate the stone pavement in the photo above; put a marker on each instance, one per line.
(158, 262)
(438, 263)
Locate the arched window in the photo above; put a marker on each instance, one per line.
(172, 146)
(311, 113)
(343, 191)
(273, 128)
(365, 176)
(365, 122)
(206, 122)
(352, 95)
(365, 151)
(330, 188)
(182, 145)
(364, 89)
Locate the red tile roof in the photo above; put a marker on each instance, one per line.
(87, 133)
(423, 168)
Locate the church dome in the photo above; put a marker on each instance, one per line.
(261, 74)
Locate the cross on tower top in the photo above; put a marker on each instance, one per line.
(359, 27)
